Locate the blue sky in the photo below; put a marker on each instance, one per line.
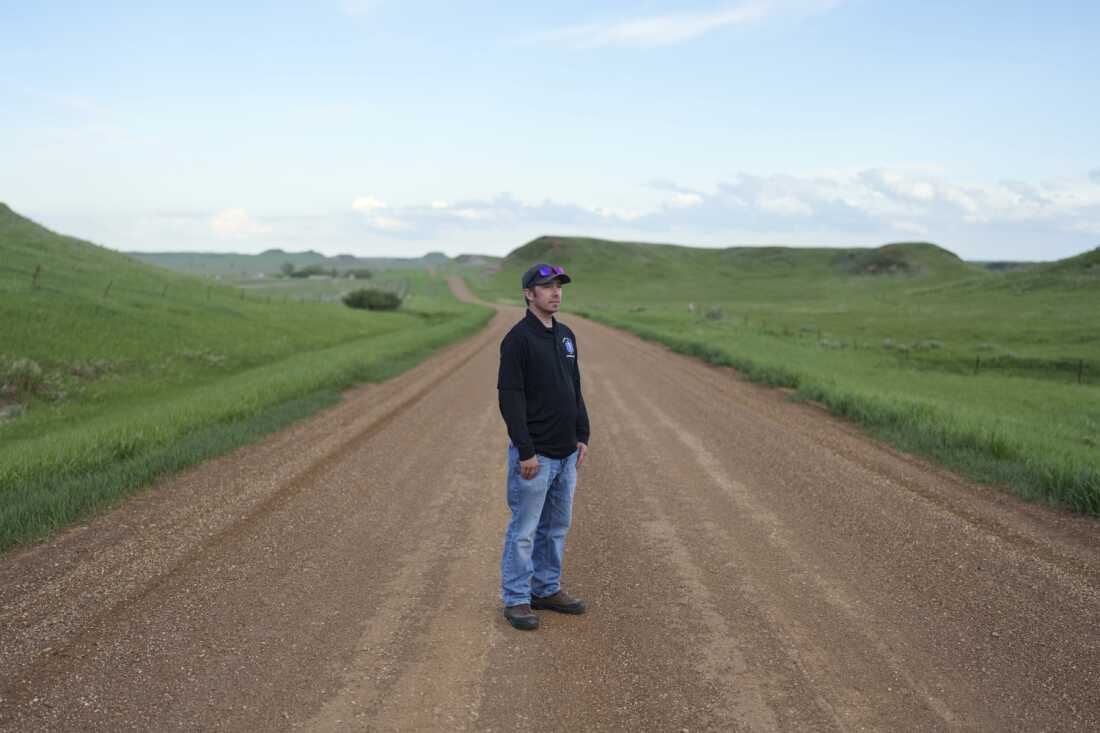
(387, 128)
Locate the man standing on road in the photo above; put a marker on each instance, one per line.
(539, 385)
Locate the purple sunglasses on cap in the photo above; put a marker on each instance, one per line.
(544, 271)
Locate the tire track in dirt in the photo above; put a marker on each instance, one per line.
(741, 700)
(771, 533)
(407, 640)
(994, 512)
(905, 565)
(115, 563)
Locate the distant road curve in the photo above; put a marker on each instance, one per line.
(750, 564)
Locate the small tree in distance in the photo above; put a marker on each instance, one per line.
(372, 299)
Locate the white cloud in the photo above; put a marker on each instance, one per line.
(673, 28)
(440, 205)
(367, 204)
(236, 223)
(887, 201)
(618, 214)
(785, 206)
(470, 214)
(1088, 227)
(683, 200)
(910, 227)
(388, 223)
(856, 207)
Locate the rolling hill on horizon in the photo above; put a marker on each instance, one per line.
(922, 266)
(270, 262)
(896, 258)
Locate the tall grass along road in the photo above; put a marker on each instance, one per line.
(750, 564)
(113, 373)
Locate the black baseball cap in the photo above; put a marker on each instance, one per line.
(542, 273)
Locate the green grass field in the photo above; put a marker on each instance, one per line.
(113, 372)
(994, 374)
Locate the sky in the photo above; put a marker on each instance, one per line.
(383, 128)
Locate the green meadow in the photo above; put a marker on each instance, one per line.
(114, 372)
(995, 374)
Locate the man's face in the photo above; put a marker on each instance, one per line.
(546, 298)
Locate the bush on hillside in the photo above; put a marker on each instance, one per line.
(307, 271)
(372, 299)
(22, 376)
(876, 262)
(359, 273)
(23, 379)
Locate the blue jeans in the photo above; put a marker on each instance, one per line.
(542, 510)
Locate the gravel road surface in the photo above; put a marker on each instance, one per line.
(749, 564)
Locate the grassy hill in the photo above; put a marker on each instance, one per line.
(269, 263)
(995, 373)
(113, 371)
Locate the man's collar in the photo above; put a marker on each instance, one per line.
(535, 322)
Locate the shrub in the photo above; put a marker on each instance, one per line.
(23, 377)
(309, 271)
(372, 299)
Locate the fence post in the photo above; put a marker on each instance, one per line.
(108, 290)
(164, 292)
(34, 280)
(977, 363)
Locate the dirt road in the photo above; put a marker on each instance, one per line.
(750, 564)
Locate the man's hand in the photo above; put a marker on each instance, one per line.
(581, 450)
(529, 468)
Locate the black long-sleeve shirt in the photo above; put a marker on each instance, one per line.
(539, 385)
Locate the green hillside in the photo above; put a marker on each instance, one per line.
(113, 371)
(664, 269)
(995, 372)
(1080, 272)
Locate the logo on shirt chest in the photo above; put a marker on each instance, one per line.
(570, 350)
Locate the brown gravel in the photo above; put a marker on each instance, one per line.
(750, 564)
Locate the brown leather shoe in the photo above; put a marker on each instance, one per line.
(561, 602)
(521, 617)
